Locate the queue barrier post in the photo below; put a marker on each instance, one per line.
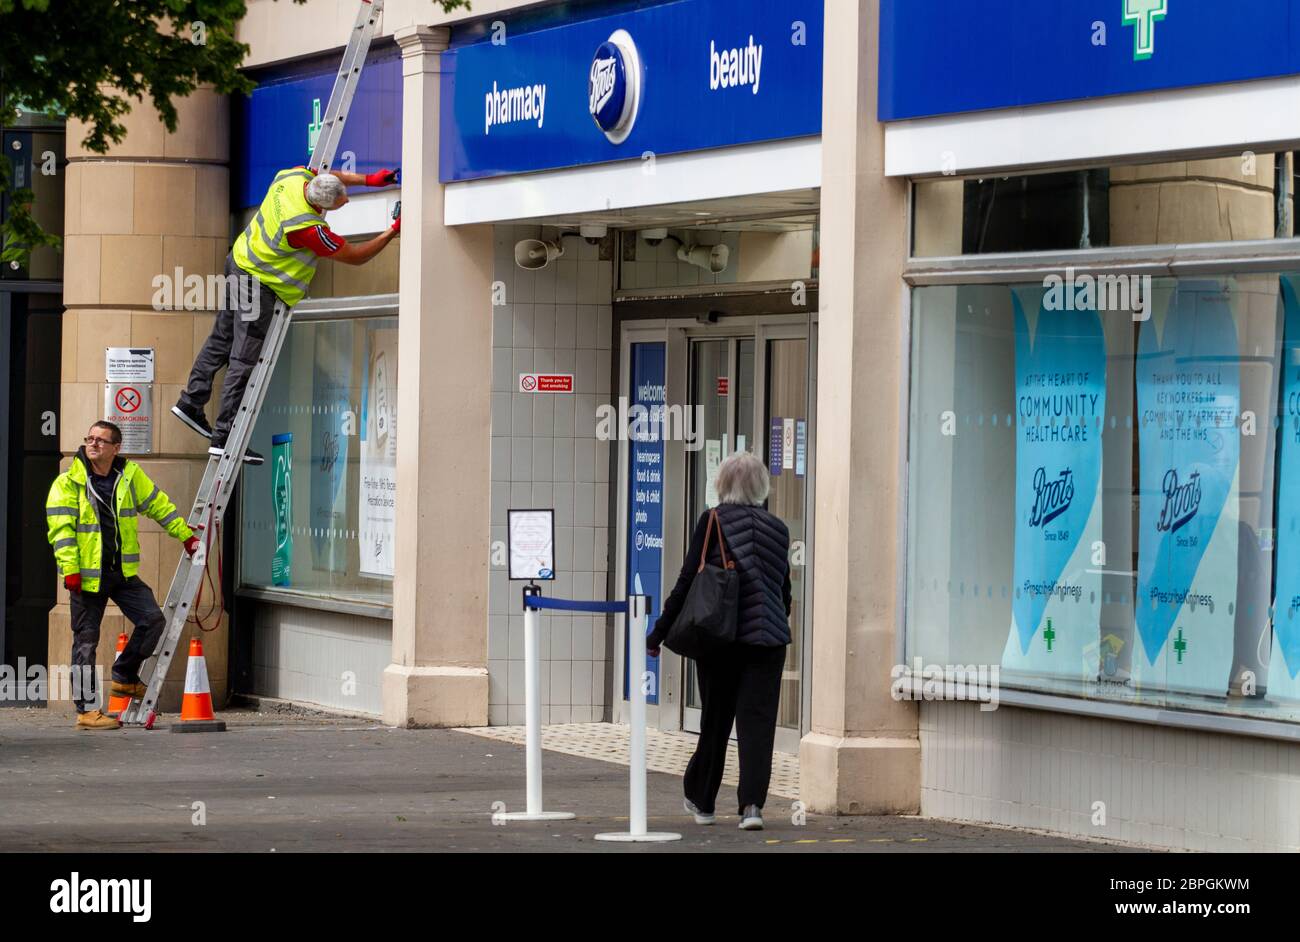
(533, 717)
(638, 607)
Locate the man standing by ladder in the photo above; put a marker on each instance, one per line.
(274, 257)
(91, 515)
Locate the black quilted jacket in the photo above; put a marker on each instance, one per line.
(760, 545)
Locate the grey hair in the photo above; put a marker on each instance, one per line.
(743, 479)
(325, 190)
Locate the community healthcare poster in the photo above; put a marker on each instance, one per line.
(1284, 664)
(1189, 398)
(377, 511)
(1060, 402)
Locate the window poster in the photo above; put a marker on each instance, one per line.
(1060, 404)
(331, 379)
(1284, 664)
(1189, 398)
(282, 502)
(377, 495)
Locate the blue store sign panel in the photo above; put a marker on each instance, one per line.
(666, 79)
(949, 56)
(278, 125)
(645, 489)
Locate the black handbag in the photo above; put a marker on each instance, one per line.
(707, 621)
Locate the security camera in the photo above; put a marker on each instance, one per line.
(712, 258)
(593, 233)
(535, 254)
(654, 236)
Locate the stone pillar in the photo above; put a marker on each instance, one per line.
(439, 676)
(862, 755)
(155, 203)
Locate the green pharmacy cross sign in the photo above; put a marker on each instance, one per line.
(313, 129)
(1049, 635)
(1180, 645)
(1143, 15)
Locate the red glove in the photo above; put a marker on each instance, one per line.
(381, 178)
(72, 582)
(191, 545)
(397, 225)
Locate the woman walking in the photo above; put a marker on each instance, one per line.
(740, 682)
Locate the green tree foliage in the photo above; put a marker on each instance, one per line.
(91, 59)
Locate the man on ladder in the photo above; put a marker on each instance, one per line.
(274, 257)
(271, 266)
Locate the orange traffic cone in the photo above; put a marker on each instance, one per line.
(196, 705)
(117, 704)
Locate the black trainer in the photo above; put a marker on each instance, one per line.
(194, 418)
(250, 456)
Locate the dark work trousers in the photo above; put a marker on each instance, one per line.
(742, 683)
(136, 601)
(236, 339)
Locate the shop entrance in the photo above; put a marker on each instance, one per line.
(746, 383)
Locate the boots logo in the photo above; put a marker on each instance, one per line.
(604, 75)
(614, 86)
(1181, 501)
(1143, 15)
(1051, 498)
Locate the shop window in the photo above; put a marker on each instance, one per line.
(318, 518)
(1104, 489)
(1226, 199)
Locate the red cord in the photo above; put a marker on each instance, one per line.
(219, 606)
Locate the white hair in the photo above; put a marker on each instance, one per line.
(743, 479)
(325, 190)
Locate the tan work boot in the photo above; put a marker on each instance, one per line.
(94, 719)
(135, 691)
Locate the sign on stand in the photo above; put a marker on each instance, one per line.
(530, 539)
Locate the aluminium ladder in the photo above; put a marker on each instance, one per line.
(223, 470)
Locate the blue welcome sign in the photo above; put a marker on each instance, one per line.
(949, 56)
(645, 486)
(663, 79)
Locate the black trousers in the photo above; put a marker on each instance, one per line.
(137, 603)
(741, 684)
(236, 339)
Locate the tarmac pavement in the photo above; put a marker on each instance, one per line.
(300, 782)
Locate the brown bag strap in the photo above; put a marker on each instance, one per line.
(722, 545)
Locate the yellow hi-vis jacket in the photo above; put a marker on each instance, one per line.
(72, 517)
(263, 248)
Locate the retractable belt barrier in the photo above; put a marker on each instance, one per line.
(636, 608)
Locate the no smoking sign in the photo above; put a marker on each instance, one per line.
(128, 399)
(130, 407)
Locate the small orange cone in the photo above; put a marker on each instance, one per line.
(196, 705)
(117, 704)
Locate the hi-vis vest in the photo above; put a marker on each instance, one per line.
(72, 518)
(263, 249)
